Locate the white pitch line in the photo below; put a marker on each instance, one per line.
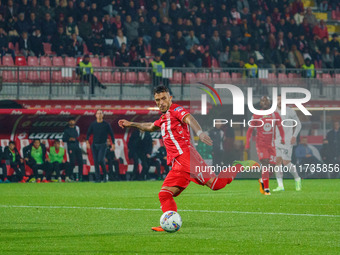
(146, 209)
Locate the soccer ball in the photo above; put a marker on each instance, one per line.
(171, 221)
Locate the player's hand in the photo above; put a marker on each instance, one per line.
(26, 159)
(206, 139)
(148, 155)
(88, 145)
(283, 142)
(21, 160)
(293, 140)
(64, 161)
(124, 123)
(113, 147)
(72, 139)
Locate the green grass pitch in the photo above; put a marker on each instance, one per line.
(84, 218)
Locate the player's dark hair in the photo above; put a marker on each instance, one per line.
(11, 142)
(36, 140)
(160, 89)
(56, 141)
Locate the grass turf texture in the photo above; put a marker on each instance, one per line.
(90, 229)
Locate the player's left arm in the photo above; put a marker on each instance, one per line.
(297, 128)
(278, 124)
(193, 123)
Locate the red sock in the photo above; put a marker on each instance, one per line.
(265, 179)
(167, 201)
(225, 177)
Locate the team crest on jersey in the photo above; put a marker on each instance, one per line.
(179, 108)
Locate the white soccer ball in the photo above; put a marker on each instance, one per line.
(171, 221)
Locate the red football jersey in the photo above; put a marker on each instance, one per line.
(265, 132)
(175, 133)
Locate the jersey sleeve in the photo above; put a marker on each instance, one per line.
(157, 123)
(179, 112)
(294, 116)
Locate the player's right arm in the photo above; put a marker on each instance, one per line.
(145, 126)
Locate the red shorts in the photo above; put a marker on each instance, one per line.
(266, 152)
(186, 168)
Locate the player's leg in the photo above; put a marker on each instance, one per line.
(17, 171)
(279, 172)
(79, 157)
(292, 169)
(95, 151)
(23, 172)
(264, 181)
(101, 160)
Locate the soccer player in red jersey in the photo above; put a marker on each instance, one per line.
(265, 137)
(174, 125)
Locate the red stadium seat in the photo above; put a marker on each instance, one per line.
(22, 76)
(20, 61)
(189, 77)
(236, 75)
(56, 76)
(45, 76)
(130, 77)
(47, 48)
(33, 61)
(45, 61)
(33, 76)
(106, 77)
(86, 49)
(282, 76)
(214, 76)
(337, 77)
(117, 76)
(11, 46)
(95, 62)
(8, 76)
(98, 75)
(293, 75)
(176, 78)
(106, 62)
(202, 76)
(58, 61)
(7, 61)
(225, 75)
(69, 61)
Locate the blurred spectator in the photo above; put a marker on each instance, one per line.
(144, 30)
(236, 32)
(336, 58)
(85, 29)
(194, 57)
(241, 4)
(157, 69)
(140, 48)
(206, 60)
(71, 27)
(157, 43)
(323, 5)
(299, 16)
(333, 138)
(309, 69)
(167, 42)
(235, 57)
(174, 12)
(165, 26)
(11, 31)
(321, 30)
(21, 25)
(46, 8)
(235, 15)
(97, 26)
(120, 39)
(327, 58)
(191, 40)
(2, 165)
(85, 72)
(33, 23)
(11, 10)
(94, 11)
(164, 10)
(334, 43)
(228, 40)
(179, 42)
(59, 42)
(37, 43)
(131, 29)
(310, 17)
(169, 58)
(48, 28)
(215, 45)
(295, 58)
(25, 45)
(297, 7)
(122, 56)
(135, 58)
(4, 44)
(15, 161)
(224, 57)
(304, 153)
(302, 43)
(251, 68)
(81, 10)
(74, 47)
